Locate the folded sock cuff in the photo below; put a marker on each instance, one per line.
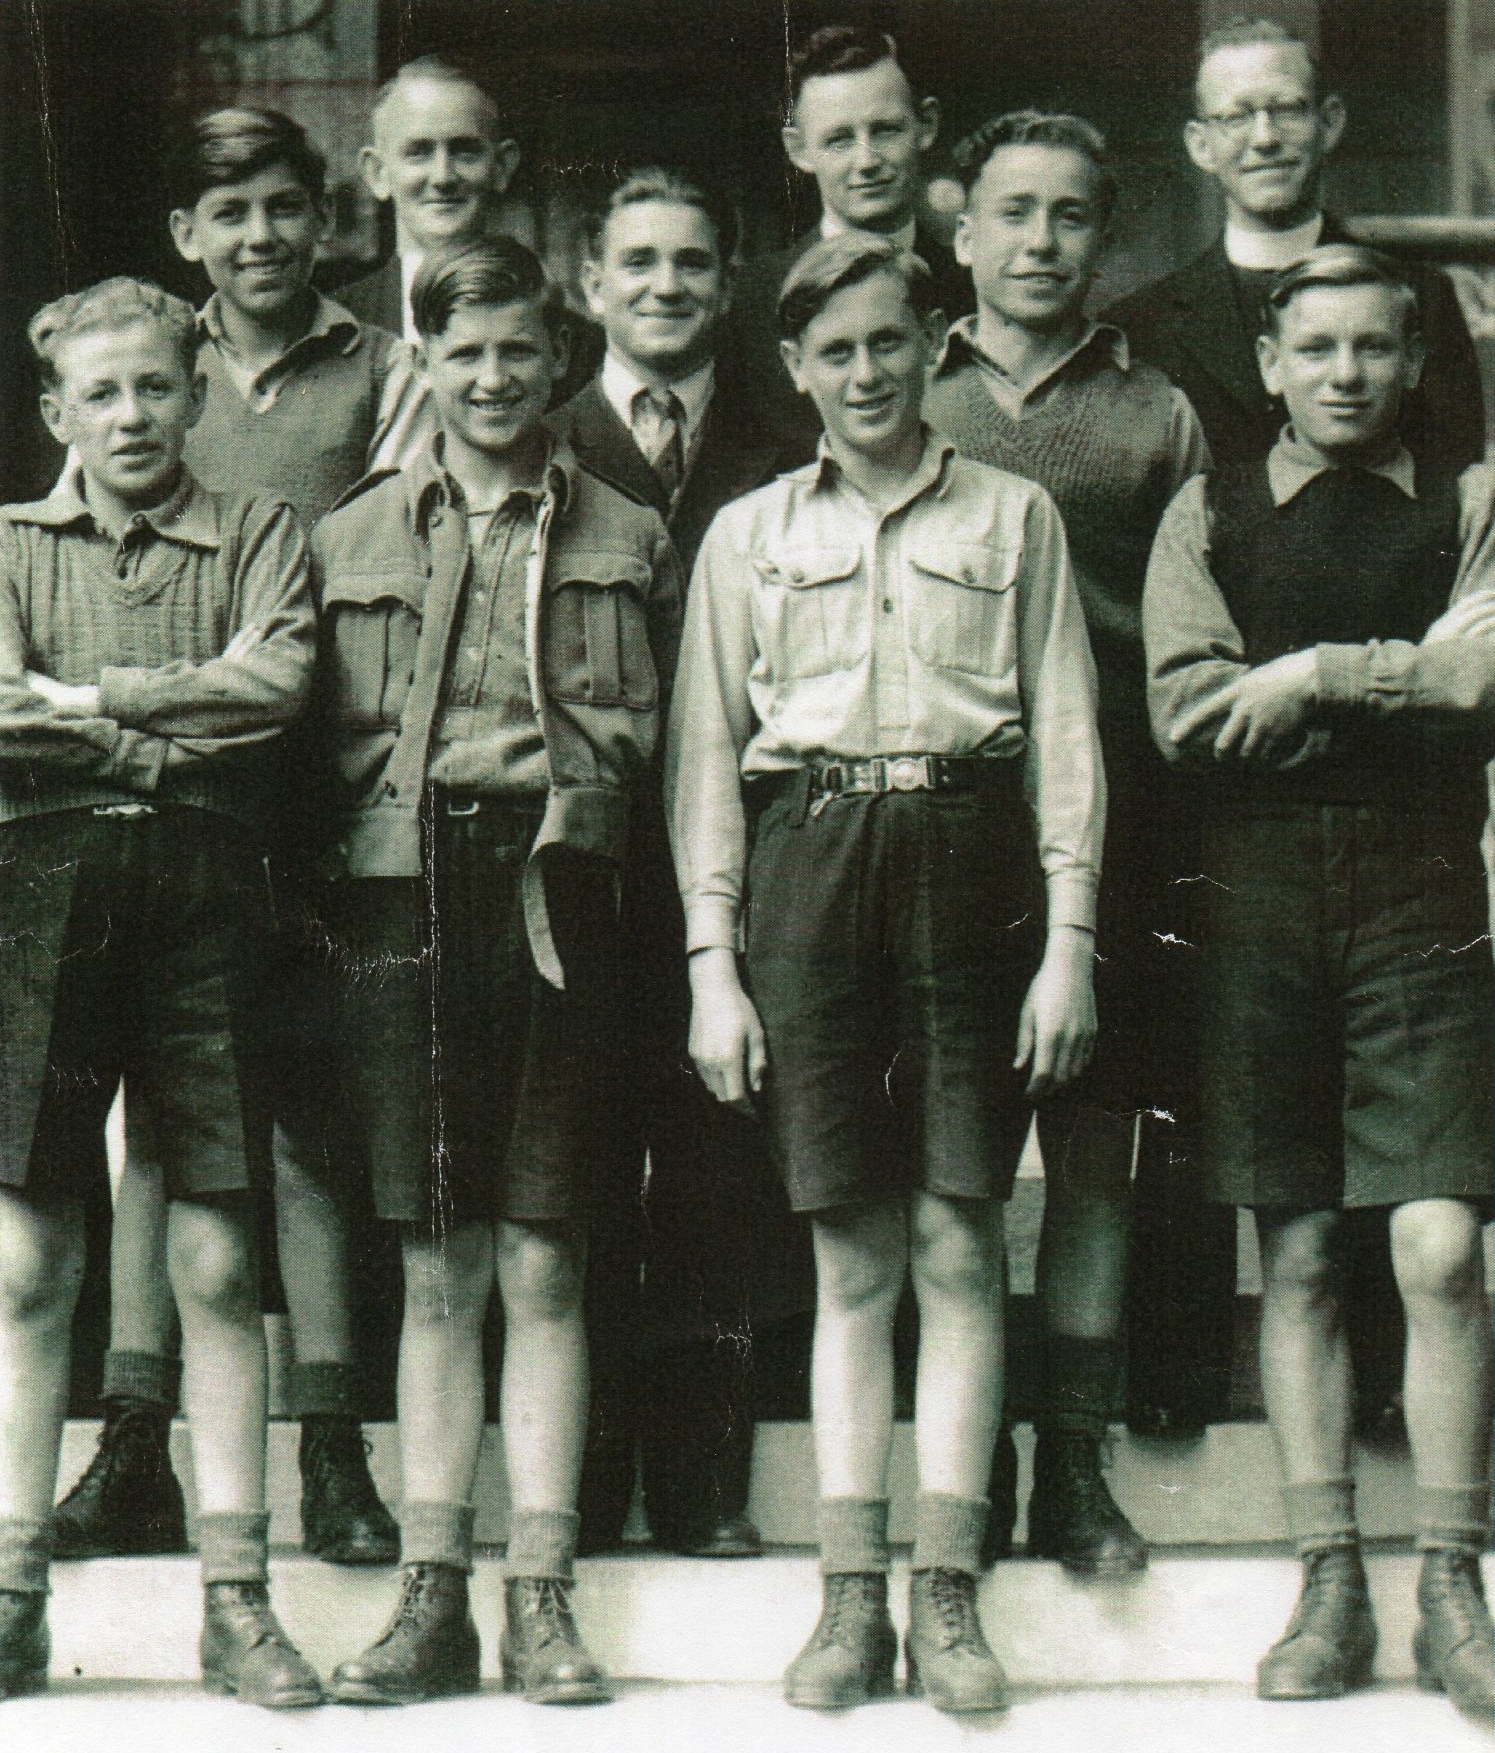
(325, 1390)
(25, 1549)
(1321, 1513)
(853, 1536)
(948, 1532)
(1083, 1382)
(437, 1533)
(142, 1375)
(1455, 1516)
(542, 1543)
(234, 1546)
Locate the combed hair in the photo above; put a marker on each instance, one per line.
(835, 263)
(837, 48)
(1039, 128)
(493, 271)
(110, 305)
(232, 145)
(1243, 30)
(1342, 264)
(443, 72)
(666, 182)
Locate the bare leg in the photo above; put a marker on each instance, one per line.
(1305, 1358)
(543, 1410)
(447, 1285)
(210, 1251)
(311, 1233)
(142, 1314)
(861, 1257)
(41, 1270)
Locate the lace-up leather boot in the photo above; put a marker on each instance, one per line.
(949, 1660)
(342, 1517)
(246, 1652)
(1072, 1515)
(429, 1649)
(541, 1651)
(1454, 1644)
(25, 1646)
(1329, 1647)
(851, 1652)
(127, 1504)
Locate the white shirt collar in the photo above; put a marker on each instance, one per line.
(1274, 250)
(833, 225)
(621, 383)
(410, 261)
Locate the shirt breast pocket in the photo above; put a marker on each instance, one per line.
(960, 610)
(813, 604)
(375, 621)
(596, 639)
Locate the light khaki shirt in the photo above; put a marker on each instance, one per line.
(819, 626)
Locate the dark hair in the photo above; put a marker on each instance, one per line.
(1342, 264)
(110, 305)
(1037, 128)
(835, 263)
(837, 48)
(443, 72)
(230, 146)
(1241, 31)
(493, 271)
(666, 182)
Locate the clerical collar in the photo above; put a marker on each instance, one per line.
(1271, 251)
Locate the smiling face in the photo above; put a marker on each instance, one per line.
(658, 287)
(1341, 361)
(1032, 233)
(862, 360)
(257, 240)
(491, 371)
(860, 135)
(434, 156)
(1262, 133)
(124, 403)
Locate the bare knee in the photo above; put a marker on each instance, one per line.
(448, 1279)
(1437, 1253)
(860, 1264)
(210, 1255)
(958, 1252)
(1300, 1262)
(41, 1262)
(541, 1271)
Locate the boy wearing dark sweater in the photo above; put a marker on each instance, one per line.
(1029, 384)
(1318, 631)
(155, 640)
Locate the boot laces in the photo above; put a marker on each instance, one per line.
(340, 1455)
(952, 1595)
(851, 1599)
(546, 1602)
(251, 1604)
(1081, 1459)
(416, 1584)
(1457, 1586)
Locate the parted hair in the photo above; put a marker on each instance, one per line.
(441, 71)
(492, 271)
(231, 145)
(1343, 264)
(835, 263)
(837, 48)
(1242, 31)
(115, 304)
(1039, 128)
(666, 182)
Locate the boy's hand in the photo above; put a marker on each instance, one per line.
(243, 642)
(726, 1037)
(1264, 711)
(1056, 1031)
(74, 701)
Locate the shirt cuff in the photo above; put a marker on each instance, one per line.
(711, 923)
(120, 695)
(1343, 674)
(137, 760)
(1072, 898)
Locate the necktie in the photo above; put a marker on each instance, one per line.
(659, 429)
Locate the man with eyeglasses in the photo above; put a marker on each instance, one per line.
(1262, 128)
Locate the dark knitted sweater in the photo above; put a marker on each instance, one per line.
(1104, 443)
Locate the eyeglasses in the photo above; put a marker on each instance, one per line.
(1297, 116)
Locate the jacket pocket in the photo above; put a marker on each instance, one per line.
(961, 610)
(814, 611)
(374, 620)
(596, 634)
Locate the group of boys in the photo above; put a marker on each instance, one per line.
(370, 688)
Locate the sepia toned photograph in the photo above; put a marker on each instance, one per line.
(746, 982)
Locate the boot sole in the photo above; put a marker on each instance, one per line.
(1092, 1569)
(224, 1687)
(172, 1548)
(913, 1687)
(365, 1692)
(1359, 1679)
(1430, 1680)
(561, 1692)
(354, 1558)
(872, 1687)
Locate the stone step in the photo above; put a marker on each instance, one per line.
(1218, 1491)
(1192, 1618)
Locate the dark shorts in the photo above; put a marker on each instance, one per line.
(478, 1090)
(1348, 1012)
(890, 943)
(130, 946)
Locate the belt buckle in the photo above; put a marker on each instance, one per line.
(468, 808)
(127, 812)
(907, 773)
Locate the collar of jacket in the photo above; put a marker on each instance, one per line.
(430, 484)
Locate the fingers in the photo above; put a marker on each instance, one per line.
(757, 1055)
(1025, 1033)
(1205, 713)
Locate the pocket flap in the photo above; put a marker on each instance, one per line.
(363, 587)
(800, 568)
(978, 565)
(606, 568)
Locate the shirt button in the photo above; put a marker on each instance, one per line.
(797, 575)
(887, 605)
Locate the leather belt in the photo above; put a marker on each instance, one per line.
(908, 773)
(128, 812)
